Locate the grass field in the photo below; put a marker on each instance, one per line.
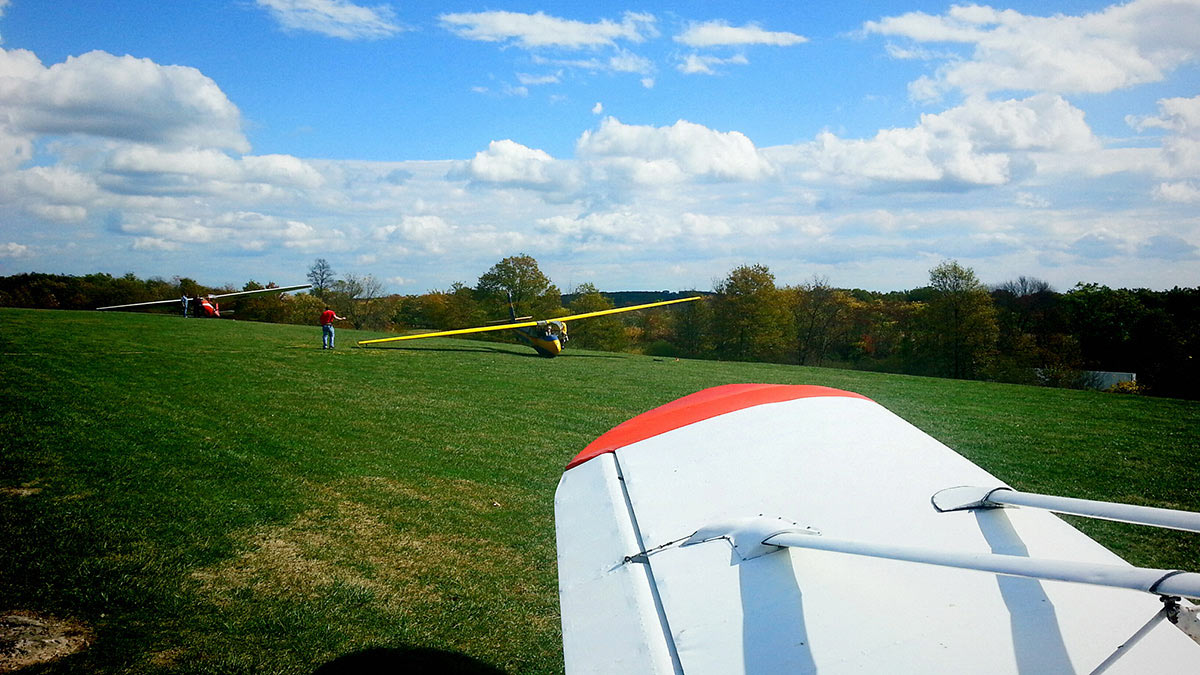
(217, 496)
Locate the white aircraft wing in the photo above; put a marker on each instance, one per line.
(172, 301)
(176, 301)
(789, 529)
(282, 289)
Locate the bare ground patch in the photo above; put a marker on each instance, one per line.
(28, 639)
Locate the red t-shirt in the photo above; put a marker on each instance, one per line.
(327, 317)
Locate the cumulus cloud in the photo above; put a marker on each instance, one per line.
(540, 30)
(1180, 118)
(510, 163)
(334, 18)
(236, 230)
(54, 193)
(977, 143)
(720, 33)
(148, 170)
(430, 233)
(1121, 46)
(651, 155)
(115, 97)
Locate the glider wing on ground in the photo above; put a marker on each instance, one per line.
(525, 324)
(175, 301)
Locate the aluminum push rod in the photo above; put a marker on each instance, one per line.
(757, 536)
(970, 497)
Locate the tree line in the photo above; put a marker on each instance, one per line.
(1020, 331)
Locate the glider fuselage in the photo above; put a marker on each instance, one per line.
(547, 338)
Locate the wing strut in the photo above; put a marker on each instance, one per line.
(757, 536)
(970, 497)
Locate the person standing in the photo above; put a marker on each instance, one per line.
(327, 319)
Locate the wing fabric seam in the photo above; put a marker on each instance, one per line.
(658, 606)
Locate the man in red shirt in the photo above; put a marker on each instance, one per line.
(327, 319)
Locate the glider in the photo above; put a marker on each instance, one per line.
(547, 337)
(799, 529)
(207, 305)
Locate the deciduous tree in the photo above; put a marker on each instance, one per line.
(961, 320)
(321, 276)
(749, 318)
(519, 276)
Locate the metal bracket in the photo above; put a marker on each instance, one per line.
(747, 535)
(965, 497)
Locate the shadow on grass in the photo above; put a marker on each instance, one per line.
(406, 660)
(516, 351)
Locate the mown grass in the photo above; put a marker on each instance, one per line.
(216, 496)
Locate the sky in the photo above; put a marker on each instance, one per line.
(648, 146)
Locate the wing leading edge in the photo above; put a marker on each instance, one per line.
(526, 324)
(175, 301)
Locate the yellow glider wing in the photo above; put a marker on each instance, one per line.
(588, 315)
(524, 324)
(460, 331)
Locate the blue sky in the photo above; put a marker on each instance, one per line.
(638, 146)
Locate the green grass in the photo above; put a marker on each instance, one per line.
(217, 496)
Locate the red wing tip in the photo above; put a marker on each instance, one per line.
(697, 407)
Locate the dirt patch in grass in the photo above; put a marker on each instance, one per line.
(27, 639)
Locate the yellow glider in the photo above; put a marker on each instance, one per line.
(549, 337)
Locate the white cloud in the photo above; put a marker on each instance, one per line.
(334, 18)
(125, 98)
(1180, 118)
(697, 64)
(598, 109)
(511, 163)
(14, 250)
(1182, 192)
(683, 150)
(625, 61)
(1121, 46)
(1032, 201)
(977, 143)
(429, 233)
(531, 80)
(539, 30)
(233, 230)
(720, 33)
(154, 244)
